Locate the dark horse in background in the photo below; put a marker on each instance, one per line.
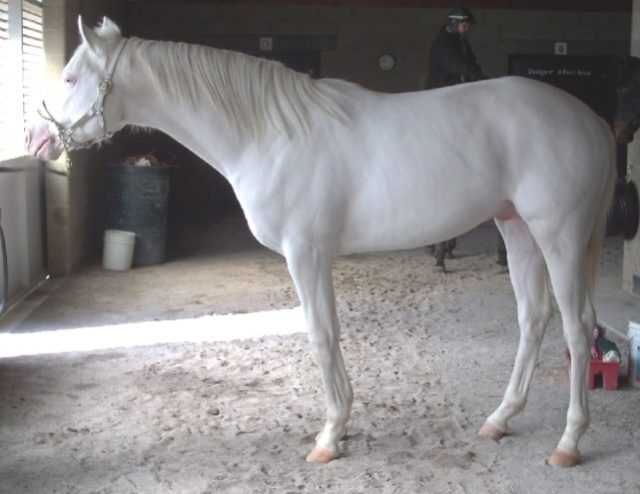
(622, 218)
(627, 119)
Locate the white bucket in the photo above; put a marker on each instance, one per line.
(118, 249)
(634, 354)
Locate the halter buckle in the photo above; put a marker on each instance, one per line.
(105, 86)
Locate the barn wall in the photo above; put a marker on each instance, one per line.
(70, 202)
(347, 38)
(351, 38)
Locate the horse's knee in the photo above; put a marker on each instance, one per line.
(532, 334)
(579, 339)
(320, 352)
(323, 349)
(533, 324)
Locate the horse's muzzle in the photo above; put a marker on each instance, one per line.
(42, 142)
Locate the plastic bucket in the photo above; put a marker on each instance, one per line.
(117, 254)
(634, 354)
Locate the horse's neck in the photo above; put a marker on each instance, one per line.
(197, 127)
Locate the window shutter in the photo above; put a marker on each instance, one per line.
(21, 69)
(32, 56)
(4, 66)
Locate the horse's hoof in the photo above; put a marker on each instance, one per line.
(491, 432)
(439, 269)
(321, 455)
(564, 459)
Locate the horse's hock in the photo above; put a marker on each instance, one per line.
(137, 201)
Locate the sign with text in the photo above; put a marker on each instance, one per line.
(590, 78)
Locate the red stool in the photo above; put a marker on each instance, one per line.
(610, 372)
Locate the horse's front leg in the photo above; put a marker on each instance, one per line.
(311, 272)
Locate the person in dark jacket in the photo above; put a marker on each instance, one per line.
(452, 61)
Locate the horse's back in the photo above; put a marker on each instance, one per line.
(432, 164)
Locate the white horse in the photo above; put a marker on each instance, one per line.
(325, 167)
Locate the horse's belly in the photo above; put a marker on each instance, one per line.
(389, 227)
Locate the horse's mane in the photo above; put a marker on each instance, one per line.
(255, 95)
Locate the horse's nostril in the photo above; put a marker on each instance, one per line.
(30, 137)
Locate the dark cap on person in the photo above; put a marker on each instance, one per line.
(461, 14)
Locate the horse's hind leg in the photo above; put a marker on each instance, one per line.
(566, 263)
(529, 279)
(311, 273)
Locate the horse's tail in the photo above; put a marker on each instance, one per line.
(597, 236)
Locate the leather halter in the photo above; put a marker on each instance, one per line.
(65, 134)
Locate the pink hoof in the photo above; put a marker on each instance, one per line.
(564, 459)
(491, 432)
(321, 455)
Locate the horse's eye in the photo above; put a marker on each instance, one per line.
(70, 81)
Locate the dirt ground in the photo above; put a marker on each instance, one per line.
(429, 355)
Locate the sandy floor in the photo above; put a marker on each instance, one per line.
(429, 355)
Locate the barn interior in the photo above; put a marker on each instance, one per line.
(57, 218)
(54, 218)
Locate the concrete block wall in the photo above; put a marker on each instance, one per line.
(352, 38)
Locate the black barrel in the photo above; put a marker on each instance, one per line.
(137, 201)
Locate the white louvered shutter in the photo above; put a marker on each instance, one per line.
(4, 86)
(32, 56)
(22, 68)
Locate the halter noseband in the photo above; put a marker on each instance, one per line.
(65, 134)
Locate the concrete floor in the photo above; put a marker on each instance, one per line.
(429, 354)
(191, 284)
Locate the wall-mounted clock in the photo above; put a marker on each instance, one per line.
(386, 62)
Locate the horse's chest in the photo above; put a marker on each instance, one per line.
(266, 209)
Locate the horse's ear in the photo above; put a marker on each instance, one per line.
(109, 28)
(89, 37)
(100, 38)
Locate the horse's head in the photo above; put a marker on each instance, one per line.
(82, 109)
(627, 119)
